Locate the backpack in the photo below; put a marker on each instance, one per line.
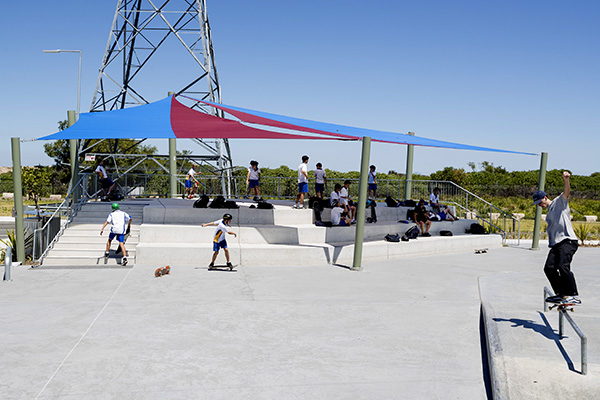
(202, 202)
(392, 237)
(373, 218)
(410, 203)
(445, 233)
(218, 202)
(263, 205)
(391, 202)
(230, 204)
(411, 233)
(476, 229)
(410, 215)
(115, 195)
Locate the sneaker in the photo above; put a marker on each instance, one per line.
(426, 234)
(246, 196)
(229, 265)
(211, 265)
(183, 196)
(106, 254)
(571, 300)
(554, 299)
(124, 261)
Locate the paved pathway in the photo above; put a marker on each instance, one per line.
(404, 329)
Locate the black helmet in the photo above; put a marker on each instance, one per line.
(227, 216)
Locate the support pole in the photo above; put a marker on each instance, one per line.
(73, 149)
(410, 152)
(362, 201)
(172, 164)
(18, 199)
(535, 244)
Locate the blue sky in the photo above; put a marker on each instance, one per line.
(518, 75)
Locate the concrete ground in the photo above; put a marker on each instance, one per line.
(403, 329)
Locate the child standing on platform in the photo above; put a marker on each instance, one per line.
(302, 183)
(320, 180)
(191, 183)
(372, 182)
(219, 241)
(253, 180)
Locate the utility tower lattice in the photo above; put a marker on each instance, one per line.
(139, 29)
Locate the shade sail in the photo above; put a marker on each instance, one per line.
(342, 131)
(168, 118)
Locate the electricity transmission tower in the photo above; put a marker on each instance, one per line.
(150, 41)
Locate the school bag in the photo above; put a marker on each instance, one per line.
(411, 233)
(445, 233)
(476, 229)
(263, 205)
(218, 202)
(391, 202)
(230, 204)
(392, 237)
(373, 218)
(202, 202)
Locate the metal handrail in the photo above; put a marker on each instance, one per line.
(66, 203)
(562, 314)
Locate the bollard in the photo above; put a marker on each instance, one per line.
(7, 263)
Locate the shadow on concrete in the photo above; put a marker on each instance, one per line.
(559, 345)
(485, 367)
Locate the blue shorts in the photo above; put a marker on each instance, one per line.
(303, 187)
(372, 186)
(342, 223)
(219, 245)
(189, 184)
(106, 183)
(120, 237)
(252, 183)
(319, 187)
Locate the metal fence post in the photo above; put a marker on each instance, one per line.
(7, 263)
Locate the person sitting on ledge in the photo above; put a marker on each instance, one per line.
(422, 219)
(339, 217)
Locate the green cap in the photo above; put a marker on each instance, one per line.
(115, 206)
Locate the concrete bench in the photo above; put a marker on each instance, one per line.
(591, 218)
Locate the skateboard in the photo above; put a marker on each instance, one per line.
(221, 267)
(564, 306)
(481, 251)
(162, 271)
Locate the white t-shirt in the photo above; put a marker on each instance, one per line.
(253, 174)
(221, 231)
(372, 177)
(102, 171)
(336, 217)
(118, 221)
(434, 198)
(301, 171)
(320, 176)
(335, 196)
(344, 193)
(191, 174)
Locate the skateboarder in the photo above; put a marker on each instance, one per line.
(107, 184)
(117, 220)
(563, 243)
(219, 241)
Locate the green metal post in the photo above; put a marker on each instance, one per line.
(410, 152)
(173, 164)
(73, 144)
(18, 199)
(362, 201)
(535, 244)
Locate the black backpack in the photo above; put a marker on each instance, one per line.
(391, 202)
(410, 203)
(392, 237)
(263, 205)
(218, 202)
(202, 202)
(411, 233)
(230, 204)
(476, 229)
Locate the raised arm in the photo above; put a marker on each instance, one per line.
(567, 189)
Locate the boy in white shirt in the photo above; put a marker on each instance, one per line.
(107, 184)
(372, 182)
(219, 241)
(346, 201)
(302, 183)
(253, 180)
(118, 220)
(191, 183)
(339, 217)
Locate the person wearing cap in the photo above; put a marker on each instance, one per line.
(120, 224)
(219, 241)
(563, 243)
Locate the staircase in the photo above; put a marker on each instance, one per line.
(81, 243)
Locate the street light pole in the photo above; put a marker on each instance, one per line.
(79, 80)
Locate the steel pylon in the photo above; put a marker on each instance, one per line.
(133, 66)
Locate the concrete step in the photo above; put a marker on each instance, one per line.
(84, 260)
(90, 252)
(92, 246)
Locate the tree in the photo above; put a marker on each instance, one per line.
(456, 175)
(37, 182)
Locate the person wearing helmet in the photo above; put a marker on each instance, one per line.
(219, 241)
(120, 224)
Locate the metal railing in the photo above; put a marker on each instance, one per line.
(562, 315)
(45, 237)
(467, 204)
